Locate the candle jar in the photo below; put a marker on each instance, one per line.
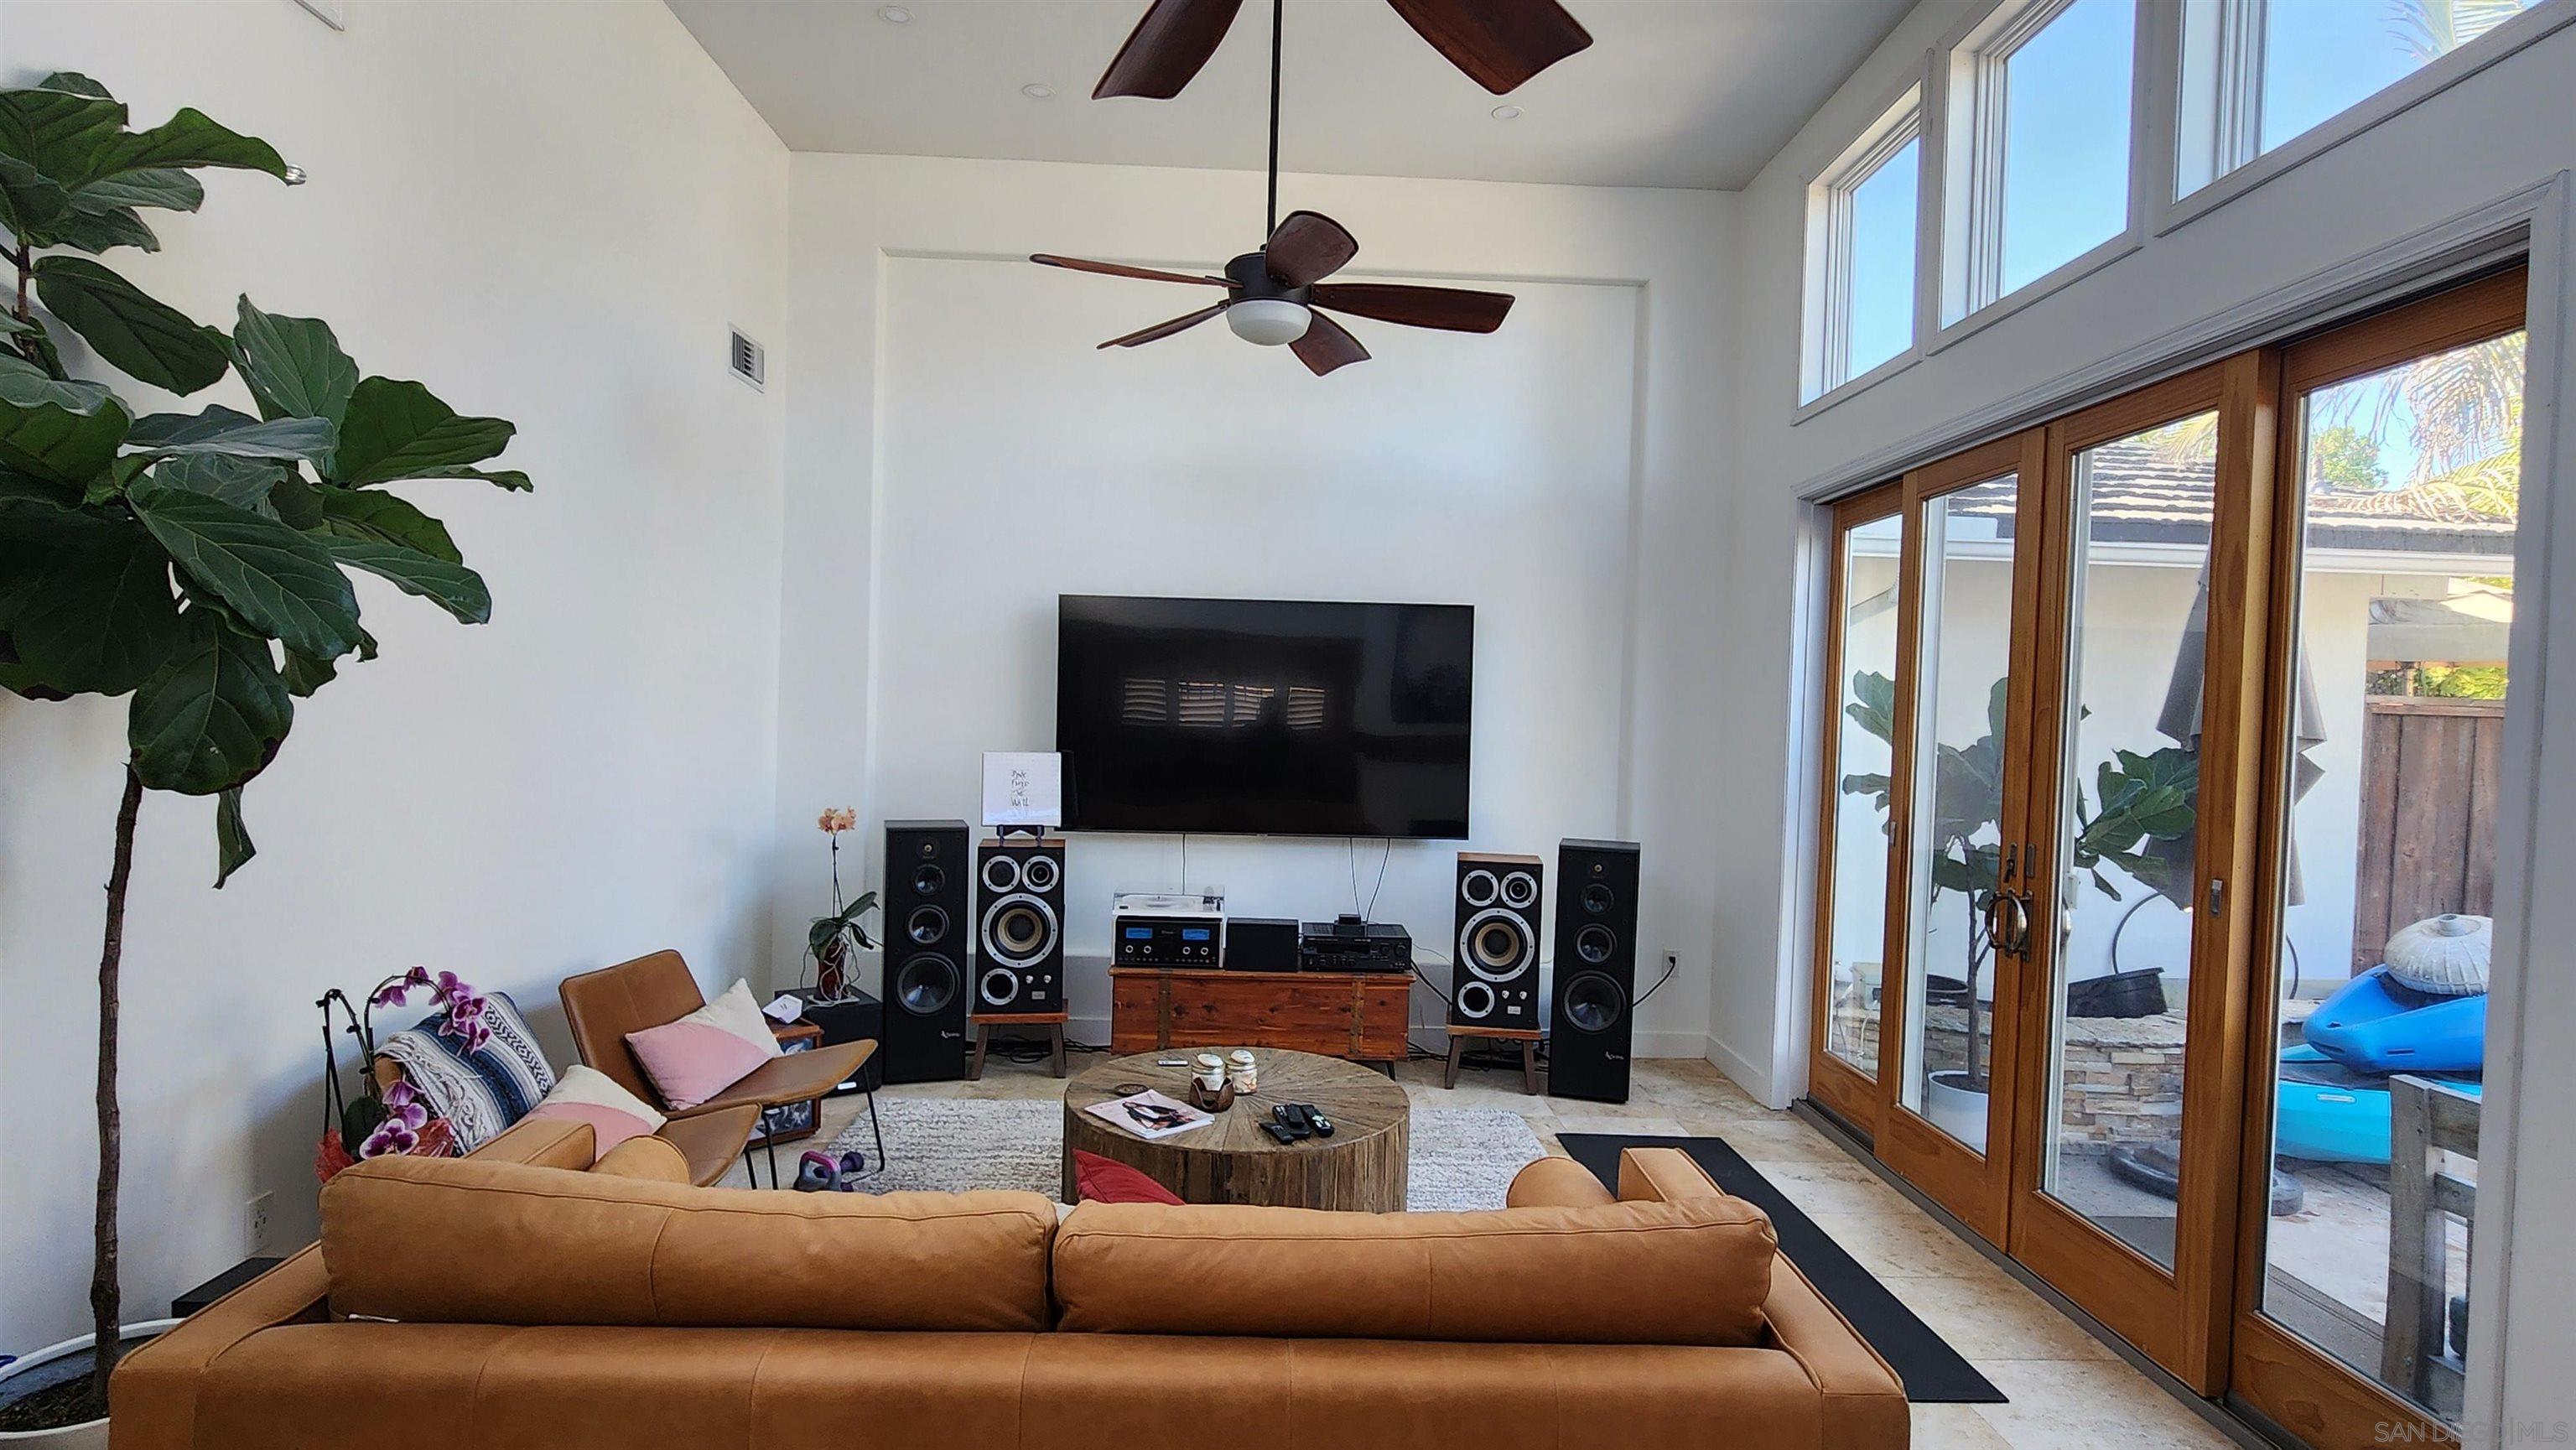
(1243, 1071)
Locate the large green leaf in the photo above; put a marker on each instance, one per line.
(66, 432)
(396, 429)
(279, 581)
(305, 674)
(371, 514)
(32, 205)
(149, 341)
(508, 480)
(99, 231)
(241, 482)
(452, 587)
(221, 430)
(213, 715)
(76, 83)
(294, 365)
(86, 606)
(162, 187)
(233, 848)
(188, 139)
(61, 134)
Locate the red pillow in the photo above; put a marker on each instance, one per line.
(1106, 1180)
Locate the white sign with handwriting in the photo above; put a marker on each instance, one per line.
(1023, 788)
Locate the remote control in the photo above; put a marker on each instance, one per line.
(1315, 1119)
(1279, 1132)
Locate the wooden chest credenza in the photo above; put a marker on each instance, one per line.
(1356, 1015)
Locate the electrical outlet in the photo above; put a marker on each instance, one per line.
(1672, 962)
(259, 1226)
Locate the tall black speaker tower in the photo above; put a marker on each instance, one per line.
(1592, 1007)
(928, 868)
(1019, 926)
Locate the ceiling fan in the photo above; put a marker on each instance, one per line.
(1272, 295)
(1498, 43)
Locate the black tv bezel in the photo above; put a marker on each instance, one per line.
(1466, 822)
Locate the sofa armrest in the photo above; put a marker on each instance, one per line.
(1662, 1175)
(1554, 1182)
(153, 1397)
(654, 1160)
(542, 1143)
(1864, 1401)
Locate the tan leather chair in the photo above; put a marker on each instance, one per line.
(708, 1143)
(601, 1007)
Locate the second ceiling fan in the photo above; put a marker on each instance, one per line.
(1498, 43)
(1272, 295)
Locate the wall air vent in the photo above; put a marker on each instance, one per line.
(749, 360)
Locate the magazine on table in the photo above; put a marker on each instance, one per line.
(1149, 1114)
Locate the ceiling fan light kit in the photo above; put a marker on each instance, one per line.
(1273, 295)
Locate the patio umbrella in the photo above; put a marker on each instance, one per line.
(2180, 719)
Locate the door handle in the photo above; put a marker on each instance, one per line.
(2008, 923)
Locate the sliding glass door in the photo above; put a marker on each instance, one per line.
(2160, 844)
(2399, 528)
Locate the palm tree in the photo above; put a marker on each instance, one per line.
(2431, 29)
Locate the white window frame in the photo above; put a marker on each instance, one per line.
(1969, 78)
(1825, 343)
(2215, 57)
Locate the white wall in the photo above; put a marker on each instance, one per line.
(546, 212)
(959, 454)
(2503, 131)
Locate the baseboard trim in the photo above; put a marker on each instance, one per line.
(1742, 1071)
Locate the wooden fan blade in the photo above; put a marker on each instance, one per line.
(1498, 43)
(1119, 269)
(1308, 247)
(1327, 345)
(1161, 330)
(1451, 309)
(1167, 48)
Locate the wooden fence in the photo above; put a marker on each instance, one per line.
(2428, 801)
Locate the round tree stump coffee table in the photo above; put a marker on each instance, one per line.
(1362, 1166)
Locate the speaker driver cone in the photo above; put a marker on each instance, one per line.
(926, 925)
(1598, 898)
(1478, 887)
(1520, 889)
(1495, 944)
(1018, 929)
(1001, 873)
(927, 879)
(1595, 943)
(1000, 987)
(1040, 873)
(1594, 1003)
(1475, 999)
(926, 984)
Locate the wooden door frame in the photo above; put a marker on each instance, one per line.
(1841, 1086)
(1976, 1187)
(2177, 1317)
(2272, 1370)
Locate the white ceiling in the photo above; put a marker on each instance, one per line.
(1691, 93)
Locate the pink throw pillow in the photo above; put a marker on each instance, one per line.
(702, 1054)
(587, 1095)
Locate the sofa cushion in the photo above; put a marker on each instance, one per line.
(479, 1091)
(431, 1240)
(1693, 1272)
(1106, 1180)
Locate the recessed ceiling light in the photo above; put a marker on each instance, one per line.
(894, 15)
(1507, 113)
(1037, 90)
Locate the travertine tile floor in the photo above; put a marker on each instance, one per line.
(2068, 1392)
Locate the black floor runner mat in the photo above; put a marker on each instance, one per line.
(1933, 1372)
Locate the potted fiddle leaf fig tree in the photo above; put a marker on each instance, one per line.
(193, 560)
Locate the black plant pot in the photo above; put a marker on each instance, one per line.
(2121, 994)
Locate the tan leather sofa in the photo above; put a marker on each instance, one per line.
(505, 1301)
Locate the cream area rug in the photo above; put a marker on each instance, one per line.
(1462, 1158)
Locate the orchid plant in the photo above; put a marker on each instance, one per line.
(388, 1120)
(831, 939)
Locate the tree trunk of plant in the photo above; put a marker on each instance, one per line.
(105, 1301)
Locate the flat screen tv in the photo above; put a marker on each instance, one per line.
(1264, 716)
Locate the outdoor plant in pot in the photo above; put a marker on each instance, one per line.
(2143, 826)
(193, 560)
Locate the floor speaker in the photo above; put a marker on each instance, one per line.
(927, 871)
(1592, 1007)
(1493, 977)
(1019, 926)
(857, 1017)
